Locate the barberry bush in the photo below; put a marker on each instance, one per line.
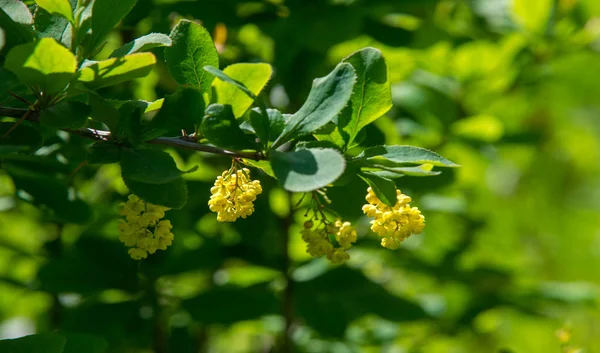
(185, 187)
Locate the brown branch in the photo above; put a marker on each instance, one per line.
(181, 142)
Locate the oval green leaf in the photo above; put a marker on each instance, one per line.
(45, 64)
(401, 156)
(307, 169)
(328, 96)
(192, 48)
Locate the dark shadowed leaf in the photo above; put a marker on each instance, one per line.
(328, 96)
(40, 343)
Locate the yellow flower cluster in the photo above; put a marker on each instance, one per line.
(142, 228)
(393, 224)
(233, 195)
(319, 243)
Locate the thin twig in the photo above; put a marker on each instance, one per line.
(14, 126)
(182, 142)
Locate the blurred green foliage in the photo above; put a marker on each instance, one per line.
(507, 89)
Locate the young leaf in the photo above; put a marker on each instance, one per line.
(106, 14)
(307, 169)
(40, 343)
(44, 63)
(148, 166)
(267, 128)
(372, 95)
(240, 84)
(66, 114)
(384, 188)
(400, 156)
(173, 194)
(328, 96)
(145, 43)
(57, 7)
(116, 70)
(15, 21)
(191, 50)
(221, 129)
(180, 110)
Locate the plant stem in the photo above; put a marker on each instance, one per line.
(288, 292)
(177, 142)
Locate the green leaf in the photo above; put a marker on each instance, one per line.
(2, 39)
(104, 112)
(106, 258)
(83, 343)
(103, 153)
(533, 15)
(57, 7)
(116, 70)
(48, 191)
(51, 26)
(372, 95)
(330, 302)
(192, 49)
(15, 21)
(172, 195)
(240, 84)
(23, 135)
(40, 343)
(228, 305)
(401, 156)
(144, 43)
(181, 110)
(328, 96)
(130, 125)
(221, 129)
(66, 114)
(397, 172)
(265, 166)
(106, 14)
(307, 169)
(45, 63)
(148, 166)
(384, 188)
(267, 128)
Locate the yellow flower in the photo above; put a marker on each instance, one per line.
(318, 242)
(233, 195)
(142, 228)
(393, 224)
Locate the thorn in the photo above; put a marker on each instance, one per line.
(15, 125)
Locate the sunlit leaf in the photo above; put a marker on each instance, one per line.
(192, 49)
(45, 64)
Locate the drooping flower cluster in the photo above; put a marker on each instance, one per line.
(233, 195)
(142, 228)
(393, 224)
(330, 240)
